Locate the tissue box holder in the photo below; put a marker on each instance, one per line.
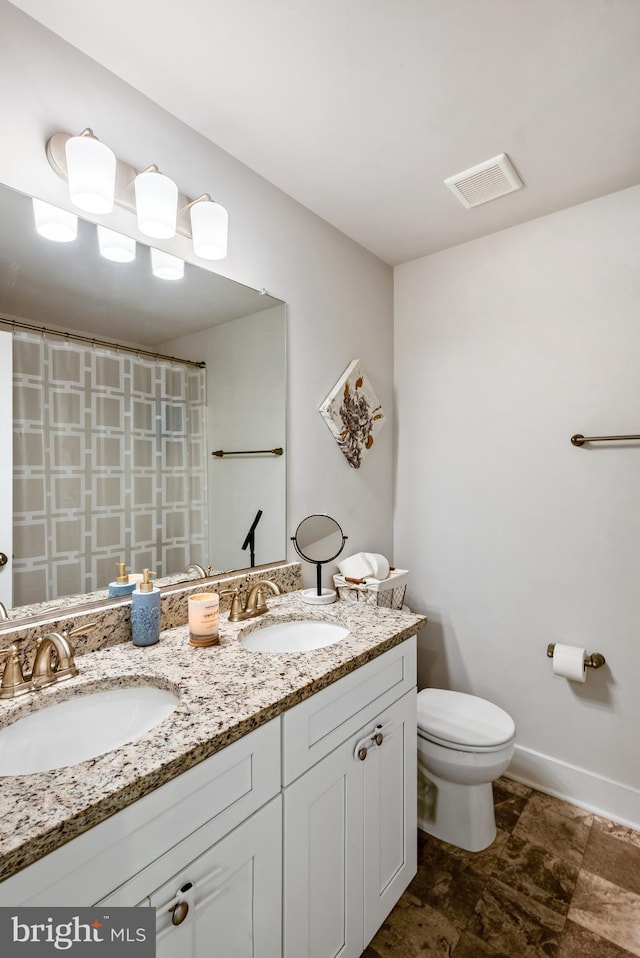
(385, 593)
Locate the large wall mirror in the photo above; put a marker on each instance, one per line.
(122, 387)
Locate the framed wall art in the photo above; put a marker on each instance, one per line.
(353, 414)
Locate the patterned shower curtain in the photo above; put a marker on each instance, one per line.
(109, 466)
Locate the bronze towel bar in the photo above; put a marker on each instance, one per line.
(579, 440)
(248, 452)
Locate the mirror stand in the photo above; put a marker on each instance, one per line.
(319, 539)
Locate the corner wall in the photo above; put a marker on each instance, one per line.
(339, 296)
(505, 347)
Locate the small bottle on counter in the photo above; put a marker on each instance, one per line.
(145, 611)
(122, 584)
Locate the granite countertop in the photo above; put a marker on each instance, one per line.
(224, 692)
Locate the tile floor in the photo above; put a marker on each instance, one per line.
(558, 882)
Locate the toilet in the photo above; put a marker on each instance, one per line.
(464, 743)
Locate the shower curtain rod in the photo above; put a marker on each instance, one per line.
(78, 338)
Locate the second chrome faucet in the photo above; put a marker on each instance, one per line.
(255, 603)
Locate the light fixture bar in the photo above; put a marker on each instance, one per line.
(125, 176)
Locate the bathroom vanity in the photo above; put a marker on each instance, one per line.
(287, 771)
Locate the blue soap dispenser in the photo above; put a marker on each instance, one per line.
(122, 584)
(145, 611)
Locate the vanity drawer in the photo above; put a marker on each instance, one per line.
(316, 726)
(220, 792)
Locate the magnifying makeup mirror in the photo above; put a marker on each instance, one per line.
(319, 539)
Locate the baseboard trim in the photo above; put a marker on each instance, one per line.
(613, 800)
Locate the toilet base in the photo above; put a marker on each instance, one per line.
(462, 815)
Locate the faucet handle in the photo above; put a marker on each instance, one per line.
(13, 680)
(236, 604)
(80, 629)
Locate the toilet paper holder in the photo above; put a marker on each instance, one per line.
(594, 661)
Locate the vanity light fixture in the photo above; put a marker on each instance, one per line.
(209, 228)
(55, 224)
(165, 265)
(91, 170)
(116, 246)
(162, 211)
(156, 203)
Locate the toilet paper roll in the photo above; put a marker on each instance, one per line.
(356, 566)
(568, 662)
(379, 565)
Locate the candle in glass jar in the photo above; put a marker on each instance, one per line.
(203, 619)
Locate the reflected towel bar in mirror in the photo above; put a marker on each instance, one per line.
(579, 440)
(248, 452)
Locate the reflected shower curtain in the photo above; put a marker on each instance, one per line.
(109, 466)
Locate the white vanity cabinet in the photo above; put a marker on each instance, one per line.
(350, 828)
(332, 781)
(121, 860)
(228, 901)
(231, 897)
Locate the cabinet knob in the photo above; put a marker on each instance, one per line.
(362, 753)
(3, 558)
(378, 738)
(179, 912)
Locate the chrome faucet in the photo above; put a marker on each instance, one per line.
(54, 660)
(4, 615)
(255, 603)
(44, 672)
(195, 567)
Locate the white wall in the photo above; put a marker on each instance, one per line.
(246, 372)
(505, 347)
(6, 472)
(339, 297)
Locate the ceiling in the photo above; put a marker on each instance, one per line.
(359, 109)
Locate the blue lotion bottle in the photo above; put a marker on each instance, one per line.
(122, 585)
(145, 611)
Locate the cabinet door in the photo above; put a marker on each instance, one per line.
(323, 904)
(390, 812)
(230, 897)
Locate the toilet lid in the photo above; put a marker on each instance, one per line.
(463, 721)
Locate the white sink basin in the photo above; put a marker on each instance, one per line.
(81, 728)
(294, 636)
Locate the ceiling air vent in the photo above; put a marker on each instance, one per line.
(484, 182)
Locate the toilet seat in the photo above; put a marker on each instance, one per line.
(463, 722)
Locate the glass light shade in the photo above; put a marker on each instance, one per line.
(166, 266)
(115, 246)
(53, 223)
(91, 169)
(156, 204)
(209, 229)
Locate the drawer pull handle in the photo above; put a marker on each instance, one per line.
(362, 753)
(179, 912)
(378, 738)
